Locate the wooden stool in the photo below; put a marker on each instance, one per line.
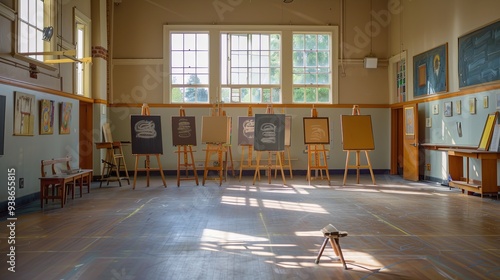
(332, 234)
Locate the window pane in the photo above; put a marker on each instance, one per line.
(266, 95)
(177, 41)
(298, 42)
(323, 42)
(323, 95)
(245, 95)
(202, 95)
(275, 42)
(275, 76)
(256, 95)
(202, 42)
(176, 95)
(310, 95)
(276, 95)
(177, 59)
(298, 95)
(311, 42)
(311, 59)
(323, 79)
(323, 59)
(310, 78)
(298, 59)
(189, 41)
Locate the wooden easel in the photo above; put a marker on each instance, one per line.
(357, 166)
(145, 112)
(316, 157)
(269, 166)
(218, 149)
(185, 152)
(285, 159)
(246, 159)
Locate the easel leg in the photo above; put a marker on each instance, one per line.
(207, 159)
(242, 160)
(178, 166)
(278, 154)
(135, 170)
(346, 167)
(357, 167)
(194, 165)
(148, 164)
(308, 175)
(289, 161)
(257, 167)
(326, 164)
(370, 166)
(161, 171)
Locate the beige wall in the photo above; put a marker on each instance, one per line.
(426, 24)
(138, 36)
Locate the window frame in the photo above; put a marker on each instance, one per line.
(286, 31)
(50, 8)
(79, 19)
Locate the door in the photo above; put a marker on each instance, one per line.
(410, 142)
(85, 145)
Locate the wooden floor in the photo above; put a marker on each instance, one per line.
(397, 230)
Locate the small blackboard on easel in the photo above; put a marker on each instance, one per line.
(146, 141)
(146, 134)
(269, 136)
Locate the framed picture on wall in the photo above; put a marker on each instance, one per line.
(448, 109)
(46, 117)
(472, 105)
(24, 114)
(430, 71)
(458, 107)
(65, 118)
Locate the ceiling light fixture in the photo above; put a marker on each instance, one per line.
(287, 1)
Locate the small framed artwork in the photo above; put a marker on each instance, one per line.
(485, 101)
(448, 109)
(428, 122)
(472, 106)
(46, 116)
(435, 109)
(24, 114)
(458, 107)
(65, 118)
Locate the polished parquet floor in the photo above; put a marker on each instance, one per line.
(397, 230)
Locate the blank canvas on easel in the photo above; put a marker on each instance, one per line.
(357, 133)
(215, 129)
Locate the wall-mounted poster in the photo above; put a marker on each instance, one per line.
(65, 118)
(478, 56)
(316, 130)
(2, 123)
(269, 134)
(430, 71)
(246, 127)
(24, 114)
(46, 116)
(216, 129)
(146, 135)
(183, 130)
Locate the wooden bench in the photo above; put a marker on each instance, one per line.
(333, 235)
(62, 179)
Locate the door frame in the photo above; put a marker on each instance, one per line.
(85, 145)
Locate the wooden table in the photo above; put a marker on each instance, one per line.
(59, 181)
(488, 168)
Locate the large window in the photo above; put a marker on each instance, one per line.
(189, 67)
(311, 68)
(33, 18)
(250, 64)
(250, 68)
(82, 43)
